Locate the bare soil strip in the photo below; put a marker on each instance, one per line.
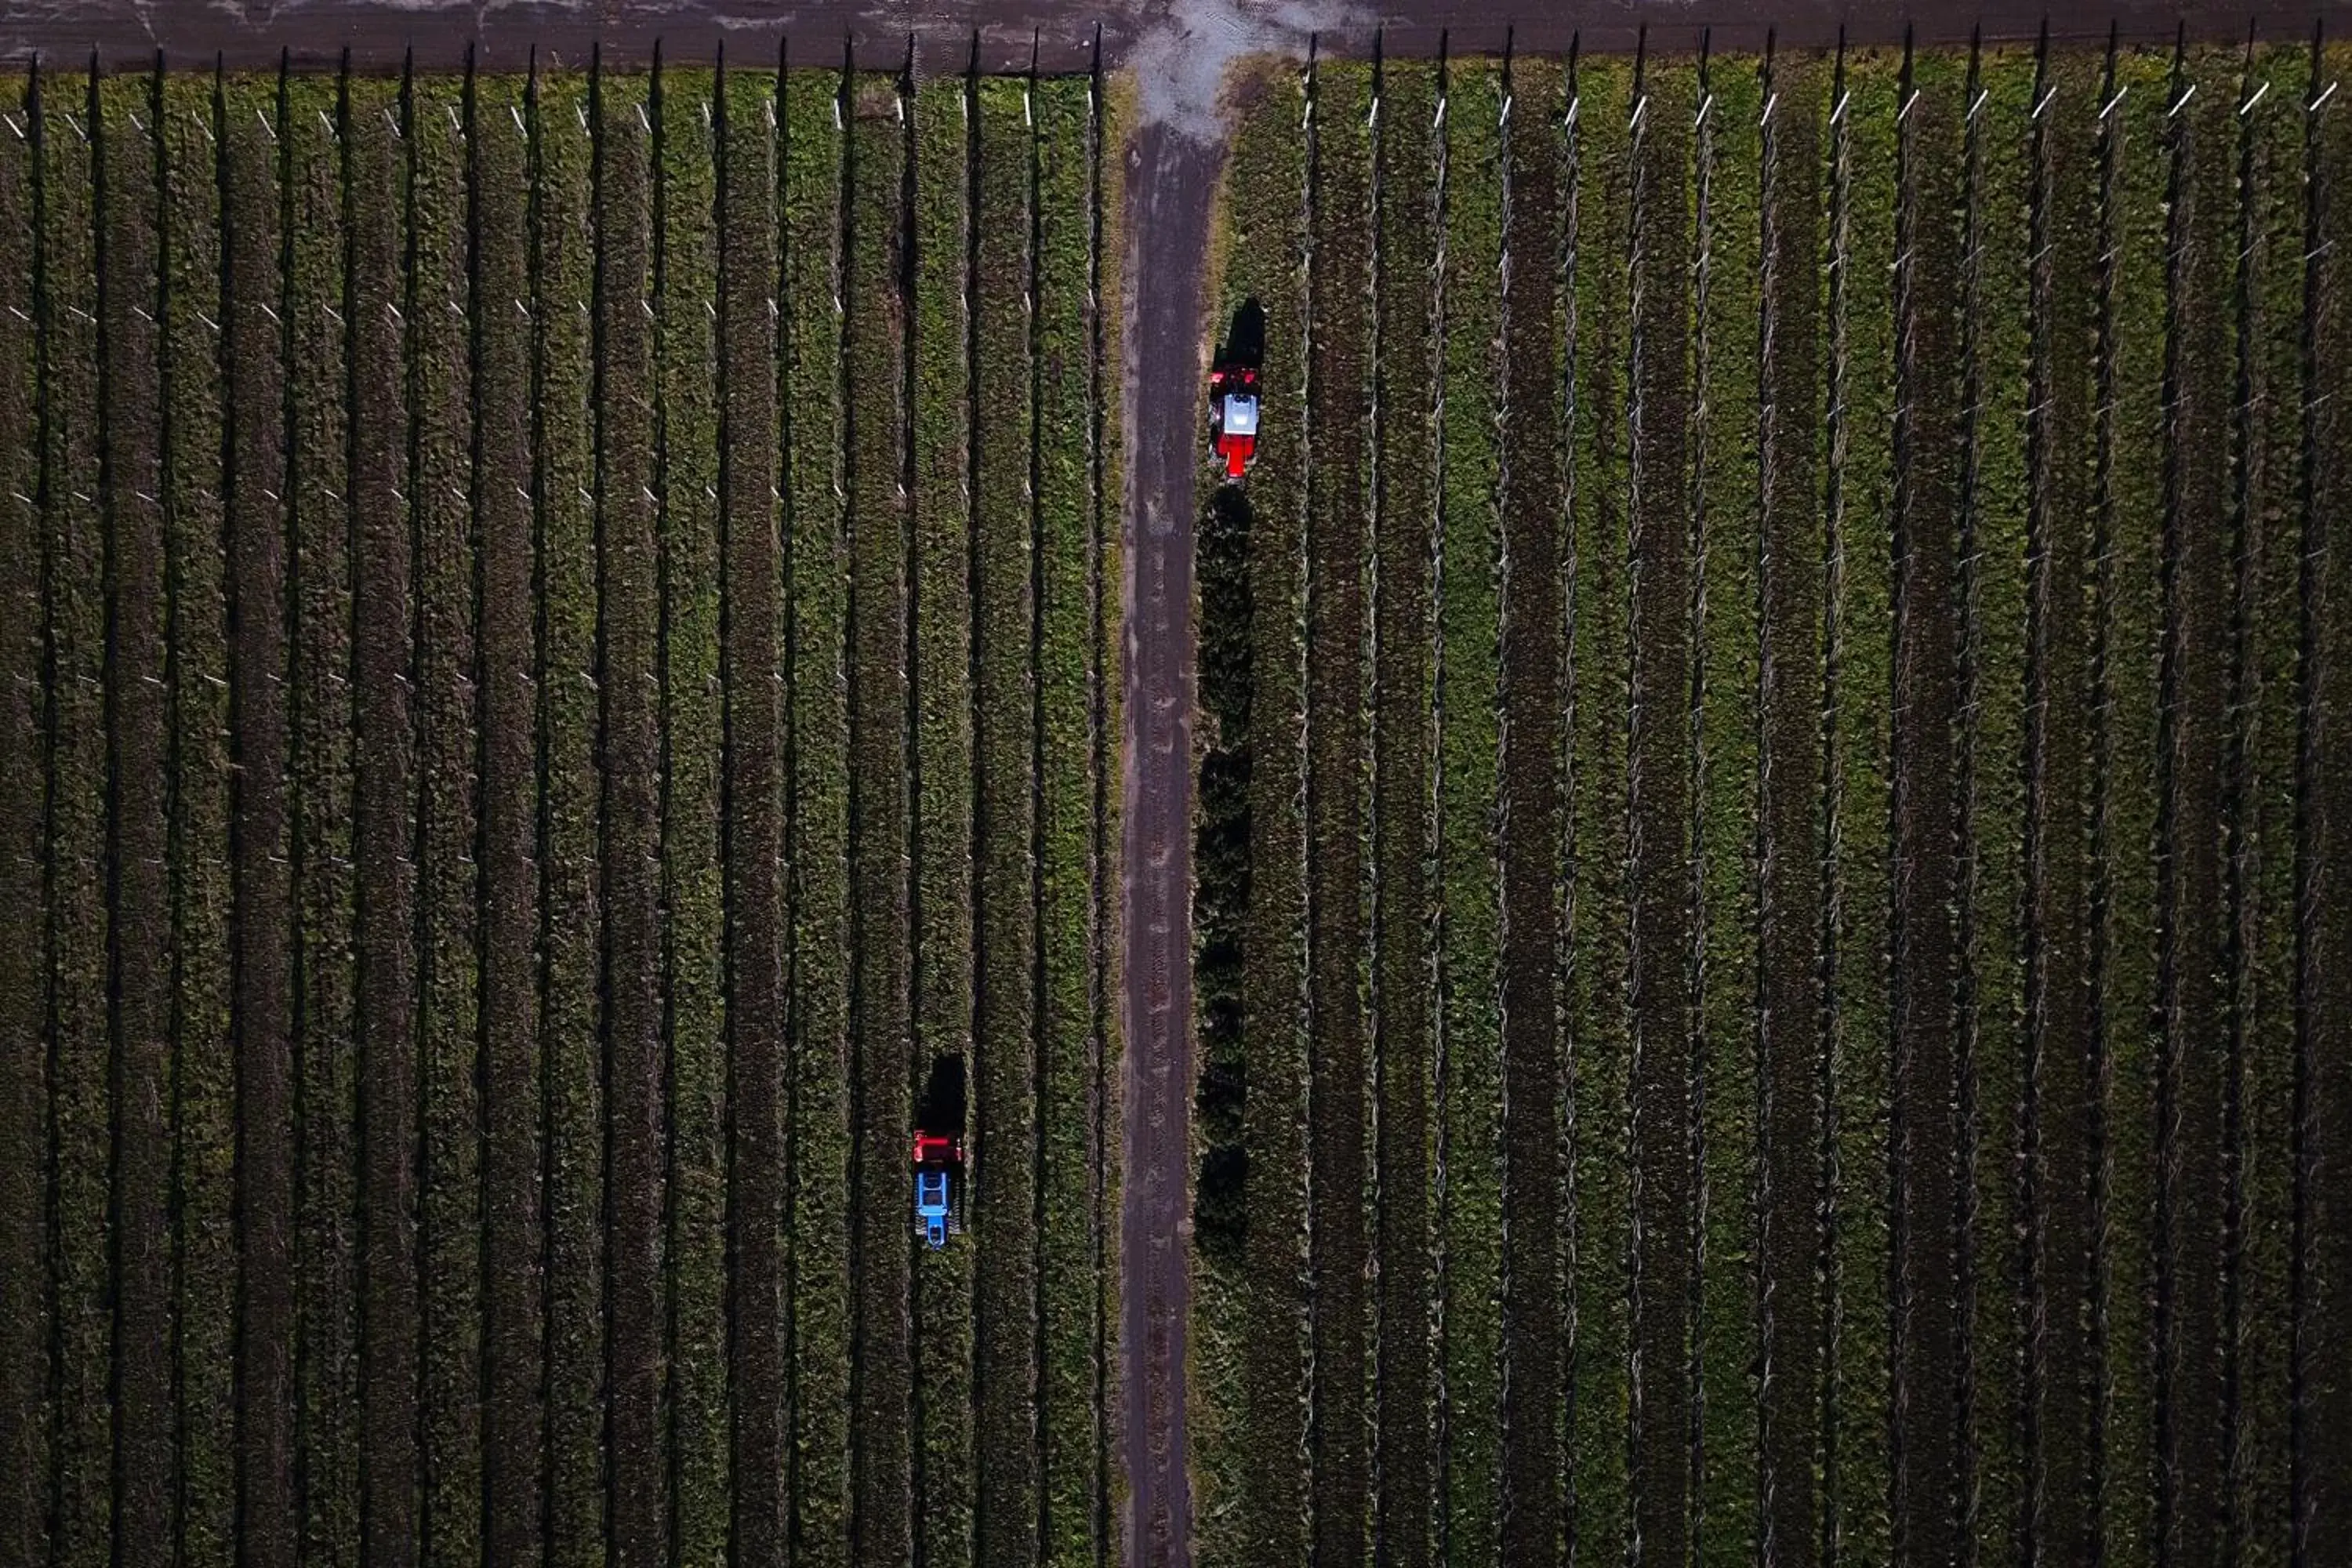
(1170, 184)
(1658, 793)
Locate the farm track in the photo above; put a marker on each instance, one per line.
(1940, 1021)
(469, 587)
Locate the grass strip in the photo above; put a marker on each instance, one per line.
(1005, 908)
(448, 543)
(203, 1084)
(878, 524)
(23, 841)
(1988, 772)
(2124, 670)
(629, 596)
(1789, 844)
(2277, 81)
(751, 840)
(507, 885)
(816, 784)
(1598, 1349)
(1858, 677)
(1337, 509)
(571, 1005)
(947, 423)
(1726, 497)
(387, 599)
(1532, 536)
(125, 151)
(1402, 504)
(685, 469)
(1469, 1069)
(303, 130)
(271, 1250)
(1071, 793)
(81, 1105)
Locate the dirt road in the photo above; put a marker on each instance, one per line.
(1170, 179)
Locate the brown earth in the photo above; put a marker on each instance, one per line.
(1170, 183)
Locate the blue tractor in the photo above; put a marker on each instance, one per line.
(938, 1154)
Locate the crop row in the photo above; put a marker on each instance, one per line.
(562, 657)
(1765, 685)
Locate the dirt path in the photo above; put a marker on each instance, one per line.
(1170, 179)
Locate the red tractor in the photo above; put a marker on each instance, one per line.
(1233, 416)
(1233, 390)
